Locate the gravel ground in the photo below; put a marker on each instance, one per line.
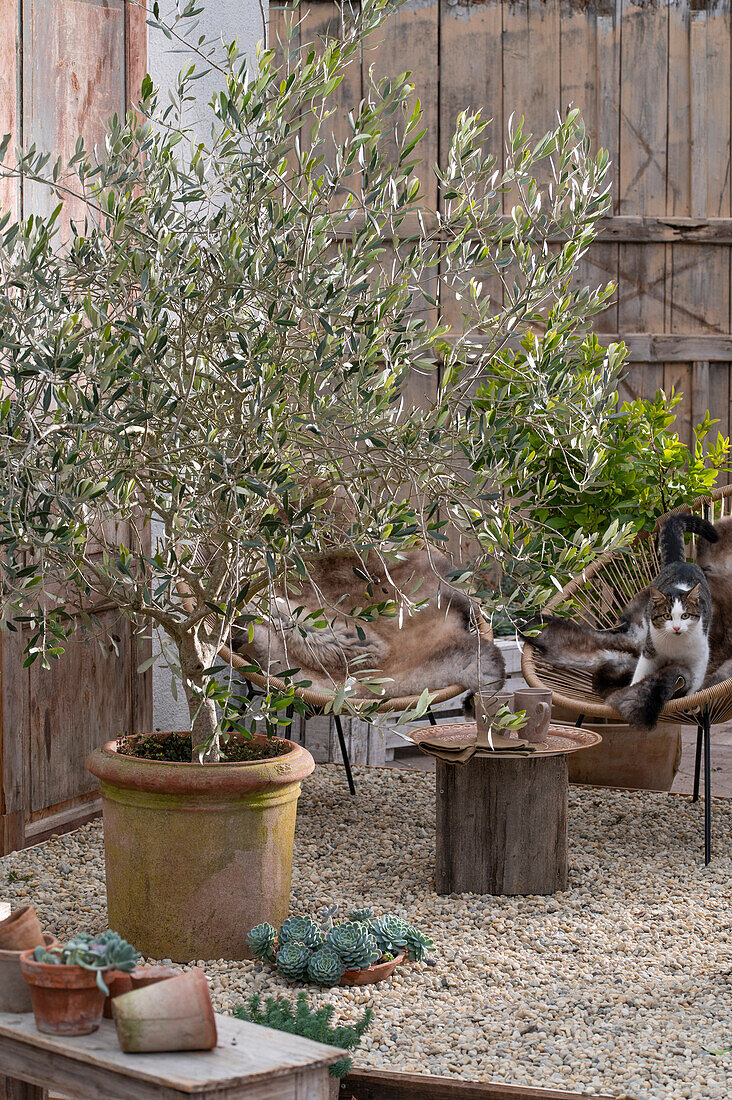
(620, 985)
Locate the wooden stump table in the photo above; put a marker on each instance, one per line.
(502, 817)
(249, 1063)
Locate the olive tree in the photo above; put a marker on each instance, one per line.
(224, 343)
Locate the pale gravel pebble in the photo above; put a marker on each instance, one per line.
(615, 986)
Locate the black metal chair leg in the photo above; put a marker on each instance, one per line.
(707, 787)
(344, 753)
(580, 720)
(430, 715)
(697, 763)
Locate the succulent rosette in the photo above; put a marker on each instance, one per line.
(261, 940)
(354, 943)
(292, 961)
(418, 944)
(361, 915)
(325, 966)
(390, 933)
(301, 930)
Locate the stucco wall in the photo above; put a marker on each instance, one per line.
(225, 20)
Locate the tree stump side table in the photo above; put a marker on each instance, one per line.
(502, 818)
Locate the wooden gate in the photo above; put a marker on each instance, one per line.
(652, 79)
(65, 67)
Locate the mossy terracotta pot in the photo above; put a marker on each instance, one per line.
(66, 999)
(197, 854)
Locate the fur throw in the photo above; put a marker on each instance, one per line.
(316, 629)
(608, 657)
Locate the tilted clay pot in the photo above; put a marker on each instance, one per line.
(197, 854)
(14, 992)
(149, 975)
(176, 1014)
(66, 999)
(21, 930)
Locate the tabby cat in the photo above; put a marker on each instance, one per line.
(679, 609)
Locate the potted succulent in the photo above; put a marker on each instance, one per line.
(361, 950)
(310, 1023)
(221, 355)
(67, 981)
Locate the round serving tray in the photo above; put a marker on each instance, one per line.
(461, 735)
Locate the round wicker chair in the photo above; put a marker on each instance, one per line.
(597, 597)
(318, 700)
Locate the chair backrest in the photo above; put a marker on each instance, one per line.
(605, 588)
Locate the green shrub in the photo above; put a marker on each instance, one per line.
(311, 1024)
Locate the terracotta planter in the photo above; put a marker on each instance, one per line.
(149, 975)
(117, 983)
(197, 854)
(175, 1014)
(66, 999)
(373, 974)
(629, 757)
(14, 991)
(21, 930)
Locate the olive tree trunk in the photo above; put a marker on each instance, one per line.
(195, 656)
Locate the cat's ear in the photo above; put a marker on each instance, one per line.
(692, 596)
(657, 597)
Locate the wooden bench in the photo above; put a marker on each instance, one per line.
(249, 1063)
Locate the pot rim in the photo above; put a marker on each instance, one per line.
(168, 776)
(8, 955)
(32, 969)
(160, 734)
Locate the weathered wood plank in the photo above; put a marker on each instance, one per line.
(642, 175)
(377, 1084)
(10, 118)
(11, 1089)
(135, 49)
(67, 90)
(470, 79)
(662, 347)
(249, 1061)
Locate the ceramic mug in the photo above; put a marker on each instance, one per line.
(538, 706)
(488, 705)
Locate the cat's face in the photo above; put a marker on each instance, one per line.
(675, 613)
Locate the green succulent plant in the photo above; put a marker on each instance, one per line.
(262, 942)
(106, 951)
(301, 930)
(390, 932)
(326, 915)
(354, 943)
(362, 914)
(418, 944)
(325, 966)
(292, 961)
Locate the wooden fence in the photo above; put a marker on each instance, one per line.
(65, 66)
(652, 79)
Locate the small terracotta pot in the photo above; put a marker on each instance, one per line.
(372, 974)
(149, 975)
(118, 982)
(175, 1014)
(66, 999)
(14, 992)
(21, 930)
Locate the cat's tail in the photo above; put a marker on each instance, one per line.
(671, 538)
